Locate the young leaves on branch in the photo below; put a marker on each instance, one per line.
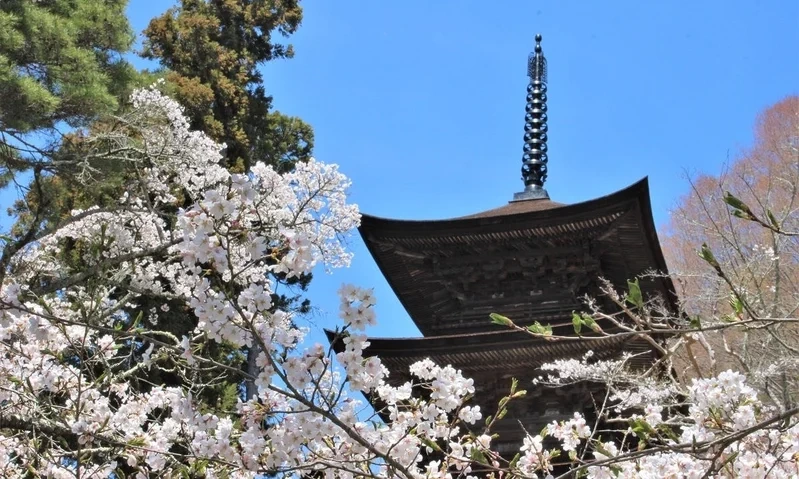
(634, 295)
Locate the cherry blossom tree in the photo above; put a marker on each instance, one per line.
(211, 242)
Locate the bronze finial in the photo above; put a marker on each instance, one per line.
(534, 160)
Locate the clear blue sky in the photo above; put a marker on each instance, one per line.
(422, 102)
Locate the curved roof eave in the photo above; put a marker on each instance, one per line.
(373, 227)
(638, 190)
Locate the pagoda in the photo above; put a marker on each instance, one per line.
(532, 259)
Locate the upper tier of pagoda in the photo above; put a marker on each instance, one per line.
(530, 260)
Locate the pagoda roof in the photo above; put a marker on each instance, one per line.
(530, 260)
(499, 353)
(515, 213)
(516, 207)
(493, 359)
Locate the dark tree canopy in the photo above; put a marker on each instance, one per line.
(60, 65)
(212, 50)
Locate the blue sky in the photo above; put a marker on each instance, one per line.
(422, 102)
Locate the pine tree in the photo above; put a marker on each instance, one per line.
(212, 50)
(61, 67)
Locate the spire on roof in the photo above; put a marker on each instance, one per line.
(534, 160)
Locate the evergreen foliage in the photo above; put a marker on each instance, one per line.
(212, 50)
(61, 65)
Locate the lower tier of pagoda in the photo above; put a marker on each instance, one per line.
(493, 359)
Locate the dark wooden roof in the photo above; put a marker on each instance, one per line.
(501, 353)
(529, 260)
(493, 359)
(516, 207)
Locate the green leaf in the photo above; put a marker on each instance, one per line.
(736, 304)
(706, 254)
(577, 321)
(733, 201)
(729, 460)
(500, 320)
(773, 220)
(728, 318)
(591, 323)
(136, 321)
(199, 467)
(635, 297)
(600, 448)
(696, 323)
(739, 207)
(667, 431)
(431, 444)
(478, 456)
(642, 429)
(573, 455)
(540, 329)
(137, 441)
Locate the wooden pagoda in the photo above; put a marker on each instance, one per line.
(530, 260)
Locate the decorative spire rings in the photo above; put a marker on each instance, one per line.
(534, 160)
